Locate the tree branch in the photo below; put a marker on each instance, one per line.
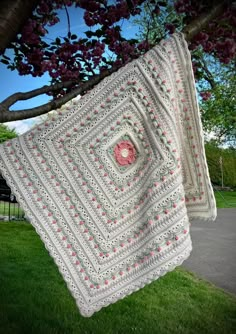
(197, 25)
(9, 101)
(68, 18)
(13, 15)
(208, 75)
(7, 115)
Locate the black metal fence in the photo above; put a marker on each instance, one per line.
(11, 211)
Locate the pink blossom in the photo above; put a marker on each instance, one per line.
(205, 95)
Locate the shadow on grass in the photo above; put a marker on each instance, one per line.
(34, 298)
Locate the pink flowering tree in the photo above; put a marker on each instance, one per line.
(76, 62)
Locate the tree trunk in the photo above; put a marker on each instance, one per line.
(13, 15)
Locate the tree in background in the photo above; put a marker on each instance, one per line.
(214, 75)
(76, 63)
(6, 133)
(216, 156)
(219, 112)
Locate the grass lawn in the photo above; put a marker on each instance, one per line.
(34, 298)
(225, 199)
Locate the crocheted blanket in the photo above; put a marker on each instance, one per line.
(111, 183)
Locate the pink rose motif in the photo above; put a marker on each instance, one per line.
(125, 153)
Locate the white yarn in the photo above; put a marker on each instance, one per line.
(110, 183)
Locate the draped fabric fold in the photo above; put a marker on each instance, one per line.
(111, 182)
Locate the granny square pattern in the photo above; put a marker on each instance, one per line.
(111, 182)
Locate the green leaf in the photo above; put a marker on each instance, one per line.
(4, 61)
(162, 3)
(105, 40)
(6, 57)
(89, 33)
(11, 67)
(130, 4)
(99, 33)
(83, 40)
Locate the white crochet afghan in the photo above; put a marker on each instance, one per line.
(111, 184)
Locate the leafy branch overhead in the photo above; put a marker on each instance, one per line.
(76, 62)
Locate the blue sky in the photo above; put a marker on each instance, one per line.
(11, 82)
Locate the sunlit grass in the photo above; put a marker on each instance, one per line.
(225, 199)
(34, 298)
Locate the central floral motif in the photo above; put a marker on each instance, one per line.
(125, 153)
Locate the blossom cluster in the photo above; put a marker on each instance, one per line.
(219, 37)
(75, 58)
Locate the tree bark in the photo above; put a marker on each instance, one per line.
(7, 115)
(13, 15)
(201, 22)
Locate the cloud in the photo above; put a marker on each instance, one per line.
(27, 124)
(23, 126)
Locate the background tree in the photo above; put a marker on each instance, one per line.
(76, 64)
(214, 155)
(6, 133)
(215, 76)
(219, 112)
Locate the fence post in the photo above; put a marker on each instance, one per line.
(9, 211)
(222, 173)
